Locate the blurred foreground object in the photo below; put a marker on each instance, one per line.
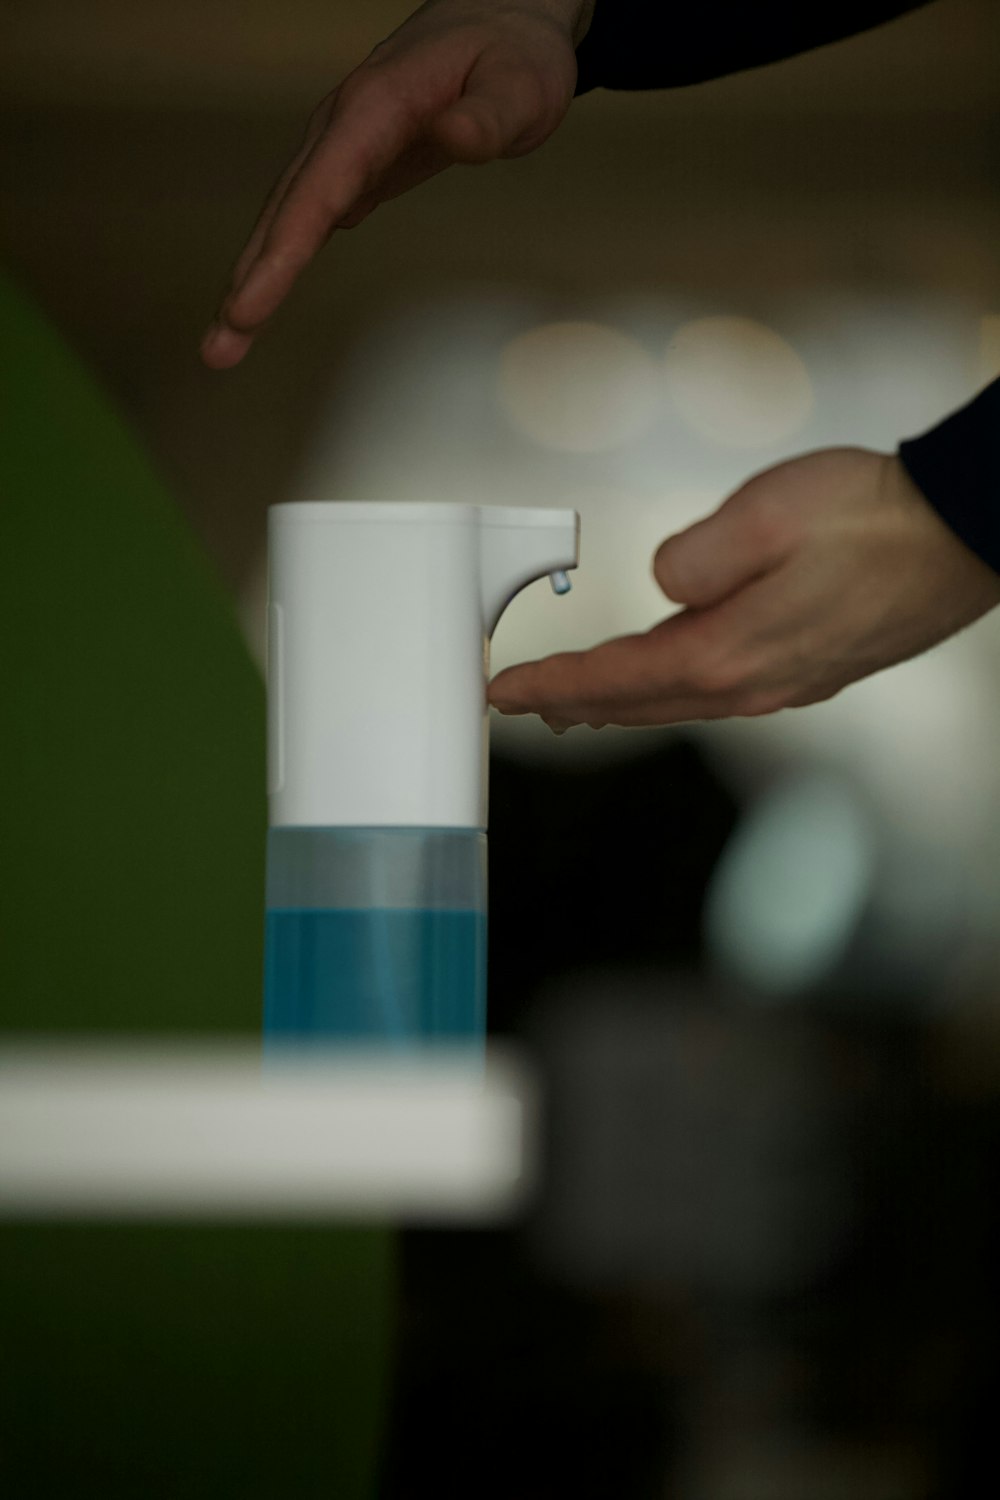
(787, 1211)
(147, 1360)
(691, 1144)
(208, 1132)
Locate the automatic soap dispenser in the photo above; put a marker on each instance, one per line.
(379, 622)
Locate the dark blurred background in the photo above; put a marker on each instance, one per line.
(756, 963)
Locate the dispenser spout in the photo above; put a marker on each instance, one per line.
(517, 546)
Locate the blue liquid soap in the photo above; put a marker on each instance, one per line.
(375, 976)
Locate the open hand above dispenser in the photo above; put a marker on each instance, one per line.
(813, 574)
(461, 81)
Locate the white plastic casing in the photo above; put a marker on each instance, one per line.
(379, 621)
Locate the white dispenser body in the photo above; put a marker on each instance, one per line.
(379, 621)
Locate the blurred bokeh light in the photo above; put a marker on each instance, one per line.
(582, 387)
(791, 887)
(737, 382)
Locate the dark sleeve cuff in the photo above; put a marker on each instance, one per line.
(653, 44)
(957, 467)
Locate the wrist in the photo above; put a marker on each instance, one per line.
(572, 16)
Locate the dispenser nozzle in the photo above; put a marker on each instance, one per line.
(519, 544)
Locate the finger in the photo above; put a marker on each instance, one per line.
(744, 539)
(420, 162)
(363, 137)
(503, 110)
(222, 346)
(636, 679)
(275, 198)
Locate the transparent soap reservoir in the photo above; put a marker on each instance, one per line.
(376, 936)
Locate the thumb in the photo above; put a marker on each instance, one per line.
(745, 538)
(505, 108)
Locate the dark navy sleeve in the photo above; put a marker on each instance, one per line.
(957, 466)
(656, 44)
